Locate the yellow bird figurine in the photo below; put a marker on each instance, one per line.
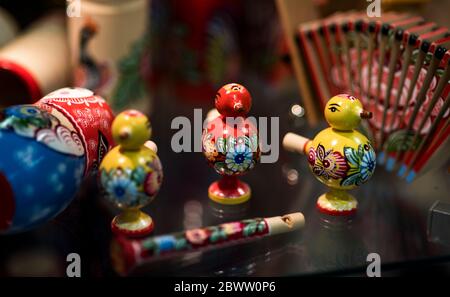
(339, 156)
(131, 173)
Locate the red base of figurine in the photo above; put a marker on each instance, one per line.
(337, 203)
(336, 212)
(229, 190)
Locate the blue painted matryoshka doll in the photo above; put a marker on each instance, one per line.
(45, 151)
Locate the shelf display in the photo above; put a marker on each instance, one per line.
(173, 144)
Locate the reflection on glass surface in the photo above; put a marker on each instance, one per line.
(228, 213)
(391, 219)
(193, 213)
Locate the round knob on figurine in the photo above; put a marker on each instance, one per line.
(131, 174)
(344, 112)
(233, 100)
(131, 129)
(231, 145)
(339, 156)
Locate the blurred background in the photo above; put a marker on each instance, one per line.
(195, 45)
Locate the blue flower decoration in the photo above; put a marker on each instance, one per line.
(122, 190)
(362, 164)
(239, 159)
(367, 165)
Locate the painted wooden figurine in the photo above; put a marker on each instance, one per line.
(46, 149)
(230, 144)
(131, 174)
(339, 156)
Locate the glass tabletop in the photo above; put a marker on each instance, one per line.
(391, 219)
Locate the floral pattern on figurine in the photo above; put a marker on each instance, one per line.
(122, 187)
(239, 159)
(210, 148)
(231, 155)
(327, 163)
(152, 183)
(132, 187)
(61, 139)
(32, 122)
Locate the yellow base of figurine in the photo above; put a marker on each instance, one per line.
(337, 202)
(229, 201)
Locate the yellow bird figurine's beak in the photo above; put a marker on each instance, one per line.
(365, 114)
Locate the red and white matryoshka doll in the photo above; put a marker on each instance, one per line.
(231, 145)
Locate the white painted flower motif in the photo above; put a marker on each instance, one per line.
(62, 140)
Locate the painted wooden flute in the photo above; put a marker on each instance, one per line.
(127, 253)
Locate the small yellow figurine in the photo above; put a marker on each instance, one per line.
(131, 173)
(339, 156)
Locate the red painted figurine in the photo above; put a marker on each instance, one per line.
(231, 144)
